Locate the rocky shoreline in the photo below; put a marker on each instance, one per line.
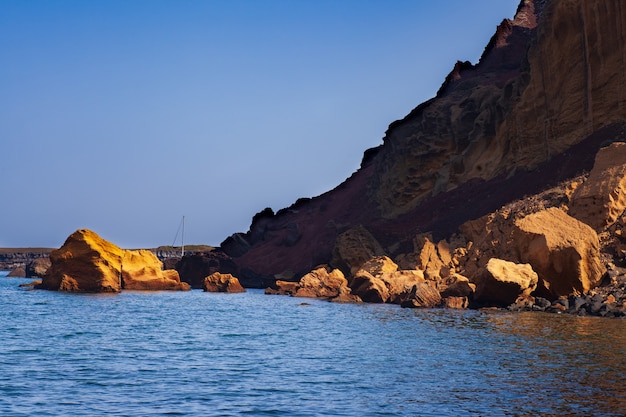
(507, 190)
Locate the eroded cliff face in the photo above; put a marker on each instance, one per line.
(548, 79)
(548, 92)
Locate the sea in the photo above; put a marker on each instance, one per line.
(250, 354)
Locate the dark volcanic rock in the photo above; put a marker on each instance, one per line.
(194, 268)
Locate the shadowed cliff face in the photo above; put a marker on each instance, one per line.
(549, 89)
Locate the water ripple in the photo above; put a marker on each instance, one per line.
(199, 354)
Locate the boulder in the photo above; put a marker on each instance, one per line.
(345, 296)
(601, 199)
(217, 282)
(563, 251)
(379, 280)
(378, 265)
(456, 286)
(400, 283)
(194, 268)
(37, 268)
(88, 263)
(369, 288)
(322, 282)
(282, 288)
(18, 272)
(455, 302)
(353, 248)
(432, 258)
(501, 282)
(422, 295)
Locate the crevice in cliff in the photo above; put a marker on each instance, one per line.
(587, 88)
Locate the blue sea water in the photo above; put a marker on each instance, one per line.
(202, 354)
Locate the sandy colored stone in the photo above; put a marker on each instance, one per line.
(282, 288)
(88, 263)
(400, 283)
(422, 295)
(601, 199)
(217, 282)
(501, 282)
(379, 265)
(345, 296)
(353, 248)
(456, 286)
(562, 250)
(369, 288)
(321, 282)
(455, 302)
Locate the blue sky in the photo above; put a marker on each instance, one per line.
(123, 116)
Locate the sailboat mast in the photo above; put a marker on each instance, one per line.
(182, 252)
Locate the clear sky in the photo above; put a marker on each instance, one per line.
(122, 116)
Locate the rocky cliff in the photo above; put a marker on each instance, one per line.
(12, 258)
(548, 92)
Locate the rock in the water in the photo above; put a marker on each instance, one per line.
(321, 282)
(370, 288)
(400, 283)
(501, 282)
(88, 263)
(455, 302)
(217, 282)
(37, 268)
(18, 272)
(194, 268)
(422, 295)
(457, 286)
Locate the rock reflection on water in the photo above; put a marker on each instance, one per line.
(574, 364)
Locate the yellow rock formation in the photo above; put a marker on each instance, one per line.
(88, 263)
(601, 199)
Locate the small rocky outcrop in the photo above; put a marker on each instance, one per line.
(353, 248)
(422, 295)
(501, 282)
(37, 268)
(88, 263)
(321, 282)
(601, 199)
(218, 282)
(370, 288)
(456, 286)
(19, 272)
(563, 251)
(194, 268)
(380, 281)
